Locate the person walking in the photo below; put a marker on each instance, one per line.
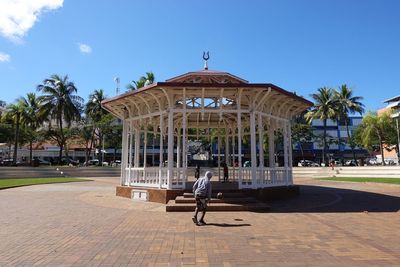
(202, 193)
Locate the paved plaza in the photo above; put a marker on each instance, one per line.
(85, 224)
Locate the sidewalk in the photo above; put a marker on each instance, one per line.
(85, 224)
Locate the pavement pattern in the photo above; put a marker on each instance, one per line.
(85, 224)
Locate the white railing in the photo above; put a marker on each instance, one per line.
(179, 178)
(265, 177)
(155, 177)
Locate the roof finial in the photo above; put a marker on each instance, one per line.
(206, 56)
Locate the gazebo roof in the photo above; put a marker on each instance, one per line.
(207, 76)
(205, 84)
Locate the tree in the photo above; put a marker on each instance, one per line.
(95, 114)
(378, 128)
(324, 108)
(30, 118)
(302, 133)
(142, 82)
(60, 103)
(13, 114)
(346, 104)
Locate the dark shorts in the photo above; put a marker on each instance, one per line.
(201, 203)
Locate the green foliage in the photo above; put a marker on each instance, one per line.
(142, 82)
(377, 130)
(60, 102)
(324, 108)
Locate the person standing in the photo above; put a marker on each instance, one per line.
(226, 173)
(202, 193)
(197, 172)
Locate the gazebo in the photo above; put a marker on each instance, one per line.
(206, 99)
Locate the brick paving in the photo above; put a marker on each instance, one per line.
(85, 224)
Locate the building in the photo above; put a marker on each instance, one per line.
(392, 105)
(339, 151)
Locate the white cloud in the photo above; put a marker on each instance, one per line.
(85, 49)
(18, 16)
(4, 57)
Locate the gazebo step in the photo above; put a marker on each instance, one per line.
(181, 199)
(172, 206)
(227, 194)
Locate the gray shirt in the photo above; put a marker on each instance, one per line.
(202, 187)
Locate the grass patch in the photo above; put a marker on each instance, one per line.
(9, 183)
(363, 180)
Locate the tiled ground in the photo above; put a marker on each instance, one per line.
(84, 224)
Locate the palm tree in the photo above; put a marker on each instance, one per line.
(376, 127)
(324, 108)
(13, 114)
(142, 82)
(95, 113)
(93, 107)
(31, 118)
(348, 104)
(59, 102)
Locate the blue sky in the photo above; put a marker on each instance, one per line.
(297, 45)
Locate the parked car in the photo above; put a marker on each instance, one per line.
(69, 161)
(350, 162)
(91, 162)
(43, 162)
(307, 163)
(389, 162)
(372, 161)
(116, 163)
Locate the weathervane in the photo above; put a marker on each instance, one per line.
(206, 56)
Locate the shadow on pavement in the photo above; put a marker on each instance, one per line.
(227, 224)
(331, 199)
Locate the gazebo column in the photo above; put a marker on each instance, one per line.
(239, 126)
(261, 147)
(253, 149)
(137, 147)
(145, 149)
(233, 154)
(124, 152)
(271, 149)
(130, 153)
(226, 147)
(260, 141)
(184, 145)
(290, 153)
(219, 156)
(184, 149)
(160, 173)
(178, 149)
(285, 151)
(170, 148)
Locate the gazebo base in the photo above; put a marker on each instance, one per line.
(148, 194)
(165, 195)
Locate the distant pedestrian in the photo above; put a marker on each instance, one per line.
(226, 173)
(197, 172)
(332, 163)
(202, 193)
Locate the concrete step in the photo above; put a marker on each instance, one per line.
(181, 199)
(188, 207)
(227, 194)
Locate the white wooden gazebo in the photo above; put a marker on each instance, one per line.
(205, 100)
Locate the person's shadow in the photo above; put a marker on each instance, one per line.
(228, 224)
